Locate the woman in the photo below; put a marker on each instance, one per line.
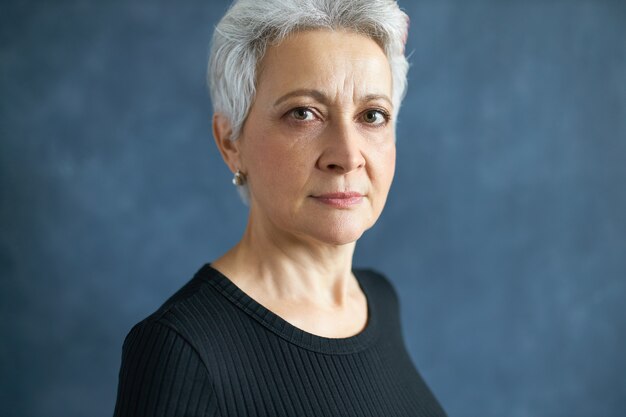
(305, 94)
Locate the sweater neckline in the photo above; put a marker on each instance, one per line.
(288, 331)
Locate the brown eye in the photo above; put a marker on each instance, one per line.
(374, 117)
(302, 113)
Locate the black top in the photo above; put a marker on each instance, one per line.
(212, 350)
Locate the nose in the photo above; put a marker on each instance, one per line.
(342, 151)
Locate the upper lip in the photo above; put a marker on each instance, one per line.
(340, 194)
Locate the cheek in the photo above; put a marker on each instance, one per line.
(386, 165)
(385, 179)
(276, 166)
(392, 165)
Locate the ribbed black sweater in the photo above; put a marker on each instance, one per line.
(212, 350)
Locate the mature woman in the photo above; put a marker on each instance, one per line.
(305, 94)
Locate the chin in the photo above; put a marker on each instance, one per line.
(337, 234)
(342, 240)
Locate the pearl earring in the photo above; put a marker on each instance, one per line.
(239, 178)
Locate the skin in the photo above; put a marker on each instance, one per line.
(320, 123)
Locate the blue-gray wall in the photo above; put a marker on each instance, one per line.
(505, 231)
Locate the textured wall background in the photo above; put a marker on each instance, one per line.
(505, 232)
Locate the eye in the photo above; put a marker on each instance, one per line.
(375, 117)
(302, 113)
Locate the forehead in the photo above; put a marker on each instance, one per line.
(337, 62)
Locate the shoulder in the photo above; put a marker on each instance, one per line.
(377, 282)
(181, 315)
(383, 298)
(158, 362)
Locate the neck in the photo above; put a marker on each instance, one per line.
(290, 268)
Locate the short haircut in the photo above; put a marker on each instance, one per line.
(242, 36)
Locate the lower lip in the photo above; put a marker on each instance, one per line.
(340, 202)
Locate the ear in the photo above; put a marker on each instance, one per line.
(228, 148)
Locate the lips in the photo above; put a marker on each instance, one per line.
(342, 200)
(343, 195)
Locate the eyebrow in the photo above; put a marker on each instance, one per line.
(321, 97)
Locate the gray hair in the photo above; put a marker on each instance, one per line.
(249, 26)
(242, 36)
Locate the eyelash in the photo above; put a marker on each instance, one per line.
(383, 113)
(297, 109)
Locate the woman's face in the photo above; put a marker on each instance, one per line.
(320, 124)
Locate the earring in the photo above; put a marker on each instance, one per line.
(239, 178)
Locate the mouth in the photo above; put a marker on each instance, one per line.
(342, 200)
(340, 194)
